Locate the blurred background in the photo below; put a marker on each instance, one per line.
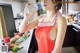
(11, 15)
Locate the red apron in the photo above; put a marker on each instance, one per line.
(45, 44)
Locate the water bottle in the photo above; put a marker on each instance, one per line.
(4, 47)
(28, 9)
(38, 6)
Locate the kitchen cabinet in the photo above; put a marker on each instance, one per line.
(3, 31)
(70, 37)
(76, 28)
(7, 24)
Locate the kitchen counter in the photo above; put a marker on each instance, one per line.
(26, 44)
(76, 26)
(76, 29)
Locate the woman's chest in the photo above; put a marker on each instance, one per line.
(47, 32)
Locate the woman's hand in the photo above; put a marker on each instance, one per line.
(29, 8)
(28, 11)
(28, 16)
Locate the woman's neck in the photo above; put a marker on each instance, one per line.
(51, 13)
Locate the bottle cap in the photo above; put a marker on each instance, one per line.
(38, 6)
(6, 39)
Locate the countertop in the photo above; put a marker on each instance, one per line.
(76, 26)
(26, 44)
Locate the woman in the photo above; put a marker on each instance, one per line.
(51, 27)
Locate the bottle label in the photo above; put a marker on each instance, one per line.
(4, 48)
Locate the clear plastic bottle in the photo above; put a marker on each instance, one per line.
(4, 47)
(32, 6)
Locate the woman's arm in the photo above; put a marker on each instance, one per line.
(25, 26)
(62, 25)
